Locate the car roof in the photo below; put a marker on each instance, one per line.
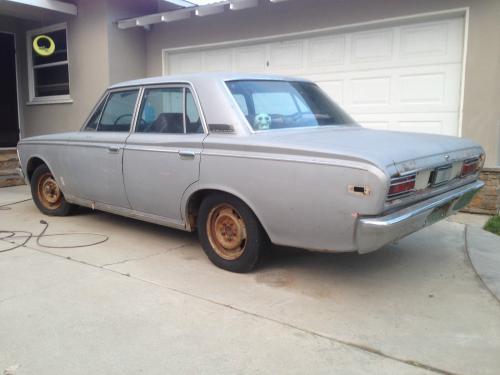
(203, 78)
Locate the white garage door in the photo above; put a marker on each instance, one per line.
(399, 78)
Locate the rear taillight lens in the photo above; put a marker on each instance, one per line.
(470, 166)
(401, 186)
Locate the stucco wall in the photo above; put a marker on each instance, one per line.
(127, 48)
(481, 111)
(88, 70)
(99, 54)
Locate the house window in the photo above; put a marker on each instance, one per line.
(48, 65)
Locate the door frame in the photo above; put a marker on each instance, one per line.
(18, 94)
(392, 21)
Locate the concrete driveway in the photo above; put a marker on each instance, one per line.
(147, 300)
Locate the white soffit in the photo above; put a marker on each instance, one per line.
(53, 5)
(187, 11)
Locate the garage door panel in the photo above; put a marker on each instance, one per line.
(184, 63)
(369, 91)
(404, 77)
(250, 59)
(335, 89)
(325, 53)
(439, 123)
(372, 46)
(286, 56)
(433, 41)
(218, 60)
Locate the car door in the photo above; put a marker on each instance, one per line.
(96, 152)
(162, 156)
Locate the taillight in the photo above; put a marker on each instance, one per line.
(470, 166)
(401, 186)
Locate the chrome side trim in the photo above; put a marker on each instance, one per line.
(155, 219)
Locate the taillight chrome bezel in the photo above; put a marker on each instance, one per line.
(408, 180)
(471, 167)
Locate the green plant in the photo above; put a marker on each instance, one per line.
(493, 225)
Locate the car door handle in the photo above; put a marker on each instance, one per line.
(187, 154)
(113, 149)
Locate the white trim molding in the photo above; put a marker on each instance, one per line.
(54, 5)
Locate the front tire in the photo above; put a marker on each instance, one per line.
(46, 193)
(230, 233)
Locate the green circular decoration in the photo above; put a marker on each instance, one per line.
(42, 50)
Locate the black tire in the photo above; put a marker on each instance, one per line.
(225, 211)
(42, 178)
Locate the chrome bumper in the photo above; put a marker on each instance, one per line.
(374, 232)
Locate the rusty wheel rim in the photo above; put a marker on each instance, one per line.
(49, 193)
(226, 231)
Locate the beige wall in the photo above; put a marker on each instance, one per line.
(481, 110)
(127, 48)
(88, 59)
(100, 54)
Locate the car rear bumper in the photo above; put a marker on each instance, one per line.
(374, 232)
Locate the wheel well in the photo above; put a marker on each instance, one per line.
(195, 200)
(33, 164)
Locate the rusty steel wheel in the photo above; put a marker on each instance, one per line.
(46, 193)
(230, 233)
(227, 231)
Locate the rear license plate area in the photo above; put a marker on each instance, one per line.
(438, 213)
(442, 175)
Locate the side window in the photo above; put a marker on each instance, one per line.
(94, 120)
(118, 112)
(170, 110)
(193, 120)
(162, 111)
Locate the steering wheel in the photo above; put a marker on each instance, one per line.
(120, 117)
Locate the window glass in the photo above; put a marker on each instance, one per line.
(286, 104)
(94, 120)
(193, 120)
(240, 99)
(118, 113)
(51, 70)
(267, 102)
(162, 111)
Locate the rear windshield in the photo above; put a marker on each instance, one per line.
(284, 104)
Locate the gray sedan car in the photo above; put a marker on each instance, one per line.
(250, 160)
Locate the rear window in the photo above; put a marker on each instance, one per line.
(286, 104)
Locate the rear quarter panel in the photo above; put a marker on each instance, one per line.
(302, 201)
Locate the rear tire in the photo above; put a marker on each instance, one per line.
(46, 193)
(230, 233)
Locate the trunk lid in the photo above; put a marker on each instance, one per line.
(404, 151)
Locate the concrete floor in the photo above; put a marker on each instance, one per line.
(148, 301)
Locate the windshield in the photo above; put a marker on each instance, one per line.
(282, 104)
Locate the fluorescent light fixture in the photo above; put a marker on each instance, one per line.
(243, 4)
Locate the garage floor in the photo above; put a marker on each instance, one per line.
(148, 301)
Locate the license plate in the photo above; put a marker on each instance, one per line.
(443, 174)
(438, 213)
